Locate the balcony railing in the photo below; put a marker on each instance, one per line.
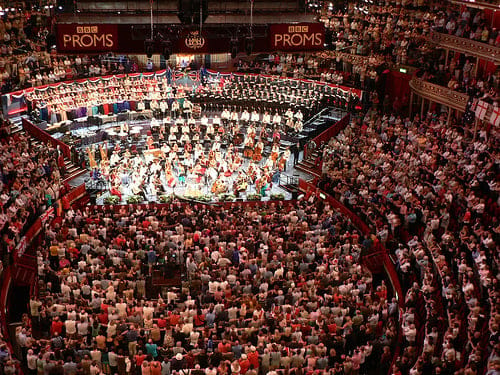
(478, 4)
(439, 94)
(468, 46)
(347, 57)
(450, 98)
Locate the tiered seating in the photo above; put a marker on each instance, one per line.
(364, 173)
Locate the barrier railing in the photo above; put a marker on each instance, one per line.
(45, 137)
(380, 251)
(332, 131)
(4, 306)
(325, 136)
(72, 196)
(493, 5)
(144, 206)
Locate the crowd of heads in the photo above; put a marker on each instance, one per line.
(430, 189)
(30, 181)
(28, 58)
(400, 33)
(275, 289)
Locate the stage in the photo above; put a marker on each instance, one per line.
(147, 139)
(107, 138)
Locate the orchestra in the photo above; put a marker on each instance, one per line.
(181, 150)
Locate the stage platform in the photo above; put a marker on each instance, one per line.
(83, 134)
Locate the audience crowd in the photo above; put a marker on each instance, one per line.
(399, 33)
(30, 181)
(271, 290)
(275, 290)
(430, 190)
(28, 57)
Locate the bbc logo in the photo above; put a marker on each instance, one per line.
(298, 29)
(87, 29)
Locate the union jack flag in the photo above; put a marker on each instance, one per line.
(178, 75)
(194, 75)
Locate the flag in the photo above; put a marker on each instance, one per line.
(495, 117)
(481, 109)
(194, 75)
(178, 74)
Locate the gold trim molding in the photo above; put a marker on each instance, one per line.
(467, 46)
(439, 94)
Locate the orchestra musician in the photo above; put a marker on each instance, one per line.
(257, 153)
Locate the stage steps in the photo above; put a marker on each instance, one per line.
(308, 165)
(17, 125)
(71, 170)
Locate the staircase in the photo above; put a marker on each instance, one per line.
(308, 164)
(290, 184)
(71, 170)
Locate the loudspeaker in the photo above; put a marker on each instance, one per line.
(66, 6)
(234, 47)
(149, 47)
(166, 49)
(190, 11)
(249, 42)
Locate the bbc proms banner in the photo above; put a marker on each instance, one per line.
(297, 37)
(87, 38)
(128, 38)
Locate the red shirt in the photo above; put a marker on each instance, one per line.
(57, 326)
(174, 319)
(224, 348)
(199, 320)
(253, 358)
(245, 365)
(139, 359)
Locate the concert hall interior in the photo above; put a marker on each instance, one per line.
(249, 187)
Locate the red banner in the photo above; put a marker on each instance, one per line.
(297, 37)
(87, 38)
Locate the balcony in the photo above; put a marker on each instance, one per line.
(439, 94)
(477, 4)
(467, 46)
